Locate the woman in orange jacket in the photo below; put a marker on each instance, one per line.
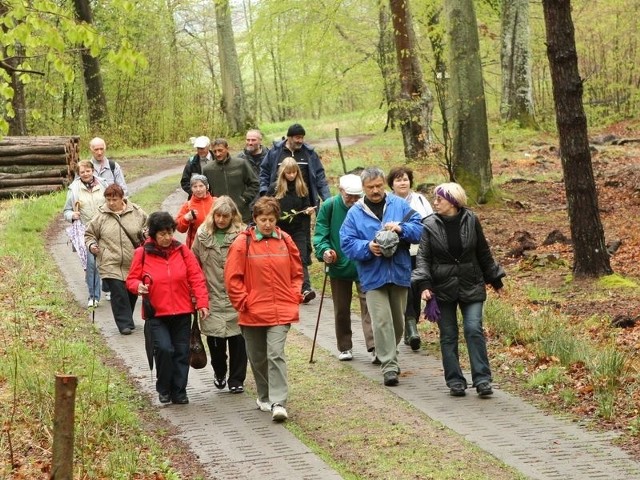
(195, 210)
(263, 277)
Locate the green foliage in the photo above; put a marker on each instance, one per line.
(616, 281)
(547, 379)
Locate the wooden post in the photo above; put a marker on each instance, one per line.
(63, 427)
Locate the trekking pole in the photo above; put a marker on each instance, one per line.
(324, 287)
(93, 284)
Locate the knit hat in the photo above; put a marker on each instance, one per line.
(296, 129)
(388, 241)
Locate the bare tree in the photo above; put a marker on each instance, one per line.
(470, 151)
(96, 99)
(515, 57)
(234, 103)
(414, 105)
(590, 256)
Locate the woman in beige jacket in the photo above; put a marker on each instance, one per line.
(219, 230)
(112, 235)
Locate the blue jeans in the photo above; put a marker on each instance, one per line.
(92, 277)
(171, 351)
(474, 336)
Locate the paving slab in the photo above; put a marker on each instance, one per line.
(234, 440)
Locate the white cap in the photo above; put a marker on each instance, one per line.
(201, 142)
(351, 184)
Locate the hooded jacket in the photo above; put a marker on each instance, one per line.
(263, 279)
(222, 321)
(360, 227)
(116, 249)
(175, 278)
(452, 279)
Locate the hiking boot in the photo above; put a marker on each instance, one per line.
(391, 379)
(164, 397)
(411, 335)
(484, 389)
(278, 413)
(180, 400)
(126, 331)
(345, 356)
(308, 296)
(457, 390)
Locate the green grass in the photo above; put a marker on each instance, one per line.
(45, 332)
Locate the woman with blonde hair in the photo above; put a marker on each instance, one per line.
(454, 264)
(211, 245)
(293, 196)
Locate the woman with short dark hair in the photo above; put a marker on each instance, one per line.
(169, 274)
(263, 277)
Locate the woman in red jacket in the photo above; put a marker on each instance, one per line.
(169, 273)
(263, 277)
(195, 210)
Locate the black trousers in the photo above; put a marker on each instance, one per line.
(122, 303)
(171, 350)
(237, 358)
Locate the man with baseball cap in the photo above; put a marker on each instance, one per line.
(342, 271)
(195, 163)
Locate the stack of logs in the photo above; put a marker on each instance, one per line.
(37, 165)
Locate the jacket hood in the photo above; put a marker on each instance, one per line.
(208, 240)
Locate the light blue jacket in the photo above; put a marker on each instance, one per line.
(360, 227)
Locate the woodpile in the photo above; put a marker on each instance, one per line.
(37, 165)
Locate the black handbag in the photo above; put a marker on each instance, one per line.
(197, 353)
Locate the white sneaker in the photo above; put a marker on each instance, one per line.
(92, 303)
(278, 413)
(263, 406)
(107, 296)
(345, 356)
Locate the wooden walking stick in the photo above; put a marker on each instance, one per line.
(324, 287)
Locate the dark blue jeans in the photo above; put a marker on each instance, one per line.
(474, 336)
(171, 350)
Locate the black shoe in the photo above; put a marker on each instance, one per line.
(457, 390)
(180, 400)
(164, 397)
(126, 331)
(391, 379)
(236, 389)
(220, 383)
(484, 389)
(308, 296)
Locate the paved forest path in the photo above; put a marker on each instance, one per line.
(234, 440)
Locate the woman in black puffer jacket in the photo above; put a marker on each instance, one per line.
(454, 264)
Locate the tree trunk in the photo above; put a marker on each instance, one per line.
(515, 57)
(470, 154)
(415, 103)
(18, 122)
(233, 100)
(96, 99)
(387, 62)
(590, 257)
